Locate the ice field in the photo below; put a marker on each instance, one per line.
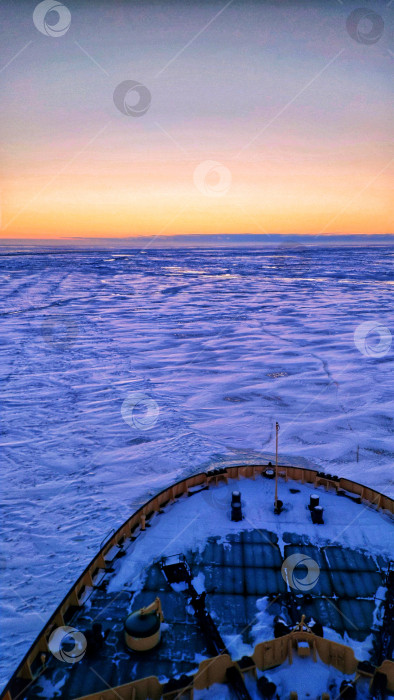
(123, 371)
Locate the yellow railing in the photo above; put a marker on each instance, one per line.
(265, 656)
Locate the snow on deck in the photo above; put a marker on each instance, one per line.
(189, 522)
(305, 677)
(240, 565)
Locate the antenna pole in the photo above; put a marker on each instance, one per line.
(276, 464)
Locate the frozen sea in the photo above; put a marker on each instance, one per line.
(123, 371)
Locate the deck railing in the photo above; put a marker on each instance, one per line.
(266, 655)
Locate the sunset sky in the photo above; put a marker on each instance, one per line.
(264, 117)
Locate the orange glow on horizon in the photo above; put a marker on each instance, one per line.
(161, 198)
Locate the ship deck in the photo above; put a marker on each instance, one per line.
(239, 565)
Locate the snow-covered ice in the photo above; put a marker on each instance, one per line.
(221, 343)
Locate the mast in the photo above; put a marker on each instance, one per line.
(276, 463)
